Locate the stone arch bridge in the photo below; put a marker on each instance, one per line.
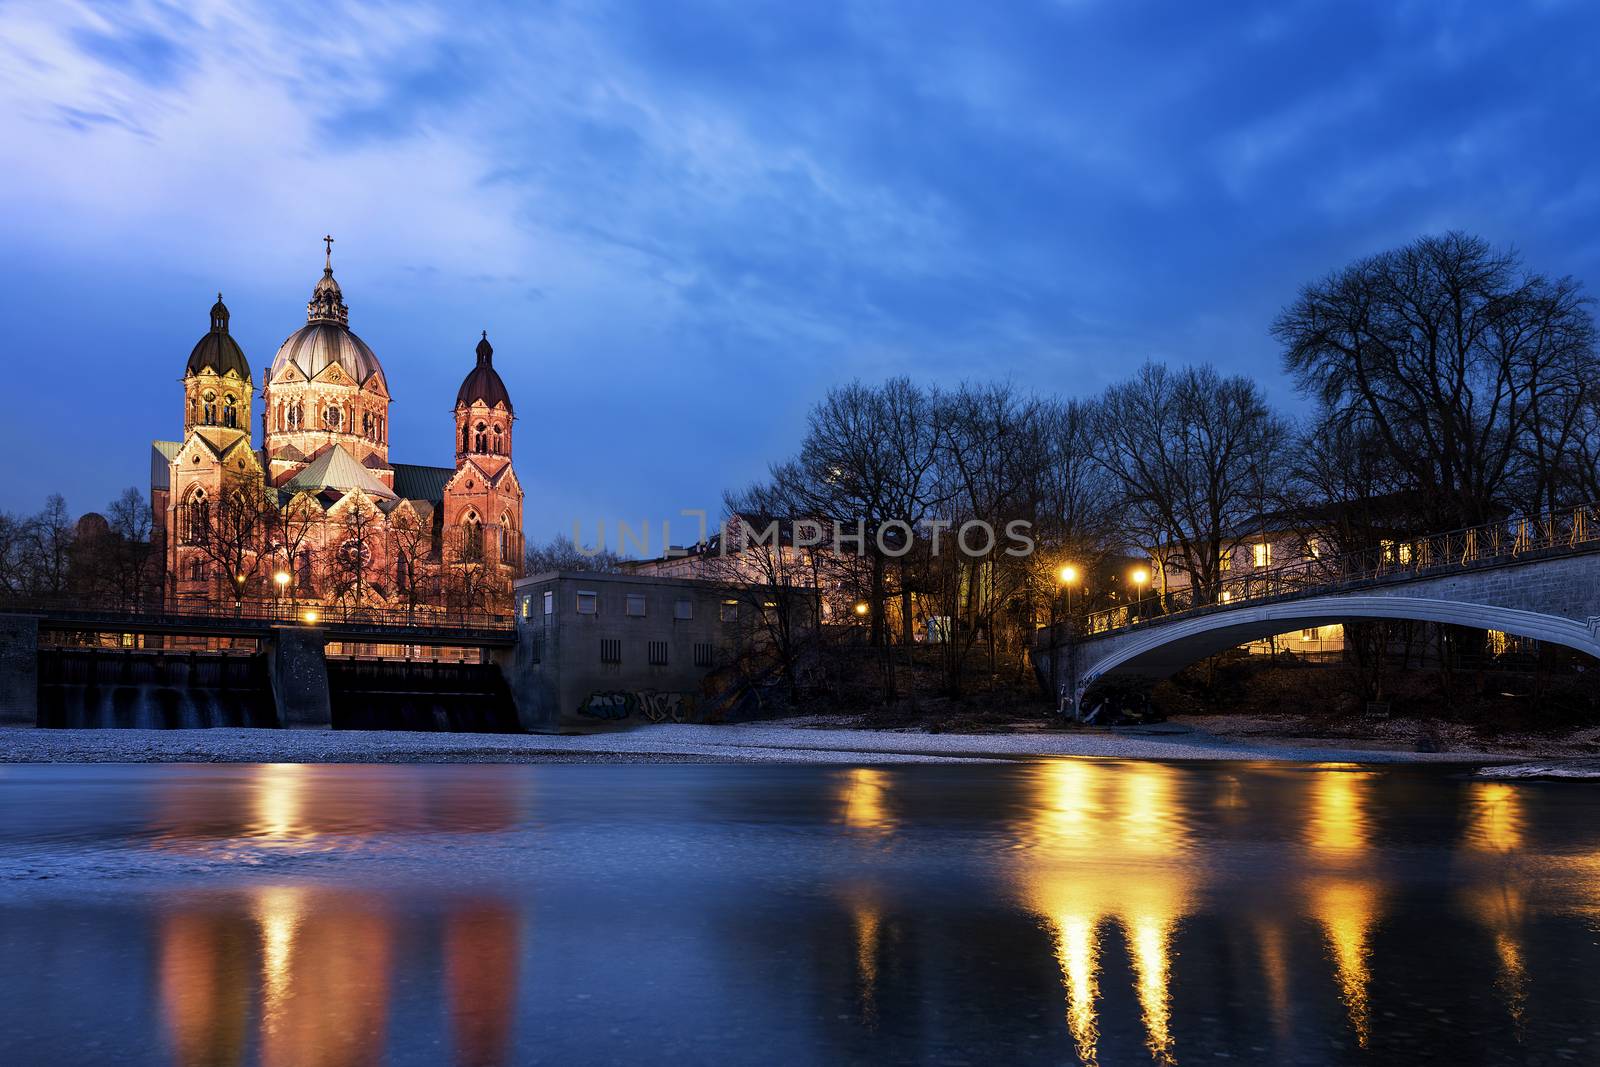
(1535, 578)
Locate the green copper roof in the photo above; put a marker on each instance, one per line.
(338, 469)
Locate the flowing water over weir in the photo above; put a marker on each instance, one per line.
(94, 687)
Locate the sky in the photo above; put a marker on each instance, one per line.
(682, 222)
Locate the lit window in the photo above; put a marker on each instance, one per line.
(1309, 635)
(527, 602)
(635, 605)
(1261, 554)
(1227, 596)
(730, 611)
(588, 603)
(683, 609)
(549, 602)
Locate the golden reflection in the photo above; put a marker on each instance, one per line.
(863, 798)
(1275, 964)
(1130, 868)
(867, 918)
(1497, 817)
(1347, 909)
(482, 945)
(277, 802)
(325, 982)
(1502, 909)
(205, 994)
(1150, 938)
(1339, 821)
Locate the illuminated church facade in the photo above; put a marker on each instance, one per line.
(317, 515)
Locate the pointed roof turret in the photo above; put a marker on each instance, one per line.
(217, 351)
(483, 381)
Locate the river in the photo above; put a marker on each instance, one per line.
(1051, 912)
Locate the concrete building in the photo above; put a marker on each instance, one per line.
(598, 650)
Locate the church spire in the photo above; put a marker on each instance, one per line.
(327, 302)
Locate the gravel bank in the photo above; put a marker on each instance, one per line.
(773, 742)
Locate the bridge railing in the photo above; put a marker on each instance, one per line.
(209, 612)
(1567, 529)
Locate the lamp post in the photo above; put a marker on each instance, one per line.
(1140, 576)
(1067, 575)
(279, 580)
(238, 594)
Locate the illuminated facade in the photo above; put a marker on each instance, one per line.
(318, 515)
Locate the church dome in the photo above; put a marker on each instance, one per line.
(217, 351)
(483, 381)
(326, 338)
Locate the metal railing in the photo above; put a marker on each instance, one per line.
(1490, 544)
(260, 614)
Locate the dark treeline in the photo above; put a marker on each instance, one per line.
(99, 559)
(1450, 385)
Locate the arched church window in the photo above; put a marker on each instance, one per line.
(472, 546)
(209, 407)
(230, 411)
(366, 424)
(332, 417)
(197, 516)
(402, 568)
(197, 570)
(499, 441)
(480, 439)
(297, 415)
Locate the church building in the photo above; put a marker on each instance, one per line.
(317, 516)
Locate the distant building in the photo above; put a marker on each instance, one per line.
(318, 514)
(597, 650)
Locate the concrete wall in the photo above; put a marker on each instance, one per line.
(1554, 600)
(19, 670)
(299, 673)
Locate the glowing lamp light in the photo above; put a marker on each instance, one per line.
(1139, 575)
(861, 608)
(282, 578)
(1068, 574)
(309, 615)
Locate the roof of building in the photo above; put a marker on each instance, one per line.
(483, 381)
(326, 338)
(217, 350)
(421, 483)
(161, 456)
(338, 469)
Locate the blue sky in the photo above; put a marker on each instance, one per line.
(681, 222)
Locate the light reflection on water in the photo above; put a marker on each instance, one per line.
(1092, 910)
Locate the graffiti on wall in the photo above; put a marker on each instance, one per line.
(648, 704)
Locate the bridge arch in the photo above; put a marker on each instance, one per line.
(1159, 651)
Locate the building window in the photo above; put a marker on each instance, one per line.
(549, 602)
(611, 650)
(527, 606)
(209, 406)
(702, 654)
(683, 609)
(332, 417)
(1309, 635)
(230, 411)
(480, 439)
(730, 611)
(1261, 554)
(536, 649)
(1225, 561)
(499, 442)
(588, 603)
(658, 653)
(634, 605)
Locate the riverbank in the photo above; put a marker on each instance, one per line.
(802, 740)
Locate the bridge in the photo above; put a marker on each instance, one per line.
(1536, 577)
(65, 662)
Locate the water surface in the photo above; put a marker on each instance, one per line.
(1054, 912)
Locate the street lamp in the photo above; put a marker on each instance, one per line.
(861, 607)
(310, 615)
(1140, 576)
(1068, 574)
(280, 580)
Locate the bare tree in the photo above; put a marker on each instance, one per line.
(1195, 457)
(560, 553)
(1466, 365)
